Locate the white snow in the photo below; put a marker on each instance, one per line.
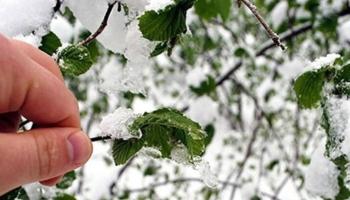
(203, 116)
(207, 175)
(279, 13)
(21, 17)
(339, 117)
(322, 62)
(91, 12)
(36, 191)
(117, 124)
(196, 76)
(32, 39)
(321, 176)
(180, 155)
(138, 5)
(158, 4)
(115, 78)
(138, 49)
(62, 28)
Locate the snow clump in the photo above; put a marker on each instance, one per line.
(321, 176)
(116, 124)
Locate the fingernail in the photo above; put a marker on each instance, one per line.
(79, 148)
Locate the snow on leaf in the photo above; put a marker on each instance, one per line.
(23, 17)
(322, 182)
(116, 124)
(338, 116)
(207, 175)
(323, 62)
(138, 49)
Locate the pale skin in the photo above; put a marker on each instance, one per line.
(31, 85)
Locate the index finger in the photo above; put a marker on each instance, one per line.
(35, 92)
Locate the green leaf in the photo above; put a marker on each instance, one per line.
(308, 88)
(158, 136)
(67, 180)
(74, 60)
(343, 74)
(210, 130)
(163, 24)
(64, 196)
(18, 193)
(159, 49)
(195, 147)
(123, 150)
(206, 87)
(342, 80)
(208, 9)
(50, 43)
(180, 127)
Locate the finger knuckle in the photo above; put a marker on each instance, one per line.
(47, 153)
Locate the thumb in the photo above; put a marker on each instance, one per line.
(40, 154)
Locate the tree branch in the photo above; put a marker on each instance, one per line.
(275, 38)
(269, 45)
(101, 27)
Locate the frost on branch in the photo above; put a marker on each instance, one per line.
(321, 176)
(117, 124)
(21, 17)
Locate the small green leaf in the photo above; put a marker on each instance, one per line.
(74, 60)
(206, 87)
(163, 24)
(123, 150)
(50, 43)
(308, 88)
(67, 180)
(159, 49)
(210, 130)
(208, 9)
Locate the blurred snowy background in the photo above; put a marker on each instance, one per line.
(225, 74)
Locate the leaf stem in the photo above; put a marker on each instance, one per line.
(274, 37)
(101, 28)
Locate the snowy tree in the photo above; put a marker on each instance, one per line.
(199, 99)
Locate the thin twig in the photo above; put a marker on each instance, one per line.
(275, 38)
(101, 27)
(248, 154)
(57, 6)
(100, 138)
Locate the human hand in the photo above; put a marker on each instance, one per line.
(31, 85)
